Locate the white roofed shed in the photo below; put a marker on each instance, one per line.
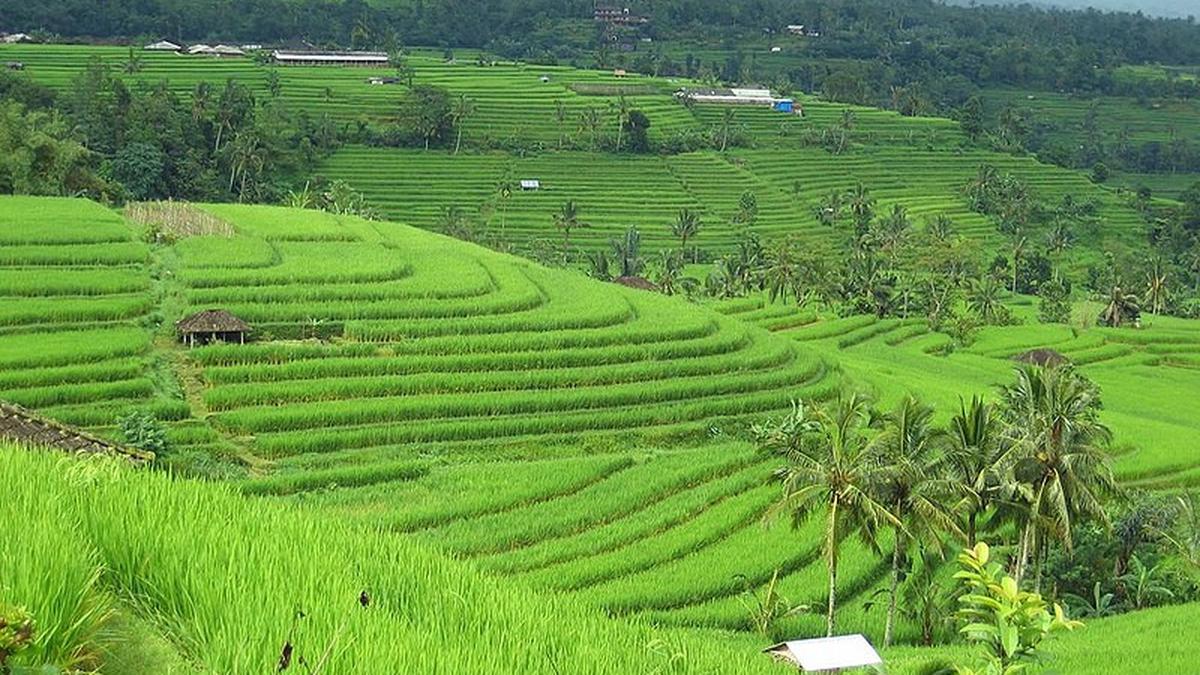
(829, 655)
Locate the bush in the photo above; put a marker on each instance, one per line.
(143, 431)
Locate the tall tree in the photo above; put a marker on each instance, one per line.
(686, 226)
(914, 488)
(567, 219)
(977, 459)
(832, 470)
(463, 108)
(1052, 418)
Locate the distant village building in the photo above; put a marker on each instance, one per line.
(618, 16)
(25, 427)
(383, 80)
(314, 58)
(529, 185)
(226, 50)
(14, 65)
(212, 325)
(199, 49)
(755, 97)
(619, 72)
(163, 46)
(15, 38)
(801, 30)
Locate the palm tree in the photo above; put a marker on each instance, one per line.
(1060, 239)
(976, 459)
(134, 64)
(781, 274)
(560, 116)
(463, 108)
(504, 191)
(566, 220)
(1157, 291)
(1052, 420)
(728, 117)
(983, 298)
(1017, 246)
(913, 488)
(1121, 307)
(940, 228)
(862, 207)
(670, 272)
(893, 231)
(831, 469)
(621, 108)
(830, 210)
(686, 226)
(628, 252)
(590, 121)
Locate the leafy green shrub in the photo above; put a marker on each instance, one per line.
(1010, 623)
(142, 430)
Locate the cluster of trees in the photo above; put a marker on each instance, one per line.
(103, 139)
(1029, 471)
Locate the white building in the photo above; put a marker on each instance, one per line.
(162, 46)
(305, 58)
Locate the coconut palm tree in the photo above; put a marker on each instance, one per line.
(983, 298)
(728, 117)
(1017, 246)
(686, 226)
(622, 110)
(560, 117)
(893, 231)
(913, 488)
(590, 121)
(1157, 291)
(1052, 420)
(976, 459)
(504, 192)
(1120, 307)
(462, 109)
(862, 207)
(781, 274)
(831, 470)
(830, 210)
(567, 219)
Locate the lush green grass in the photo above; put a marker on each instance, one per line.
(223, 577)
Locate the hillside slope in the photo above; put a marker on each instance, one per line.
(223, 578)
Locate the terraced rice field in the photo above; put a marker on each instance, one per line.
(512, 103)
(617, 192)
(77, 307)
(442, 342)
(569, 436)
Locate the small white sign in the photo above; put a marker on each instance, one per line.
(832, 653)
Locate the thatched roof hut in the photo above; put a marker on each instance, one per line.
(211, 325)
(639, 283)
(28, 428)
(1043, 357)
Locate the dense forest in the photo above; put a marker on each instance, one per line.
(1004, 44)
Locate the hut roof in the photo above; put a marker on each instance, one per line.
(212, 321)
(639, 283)
(1046, 358)
(24, 426)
